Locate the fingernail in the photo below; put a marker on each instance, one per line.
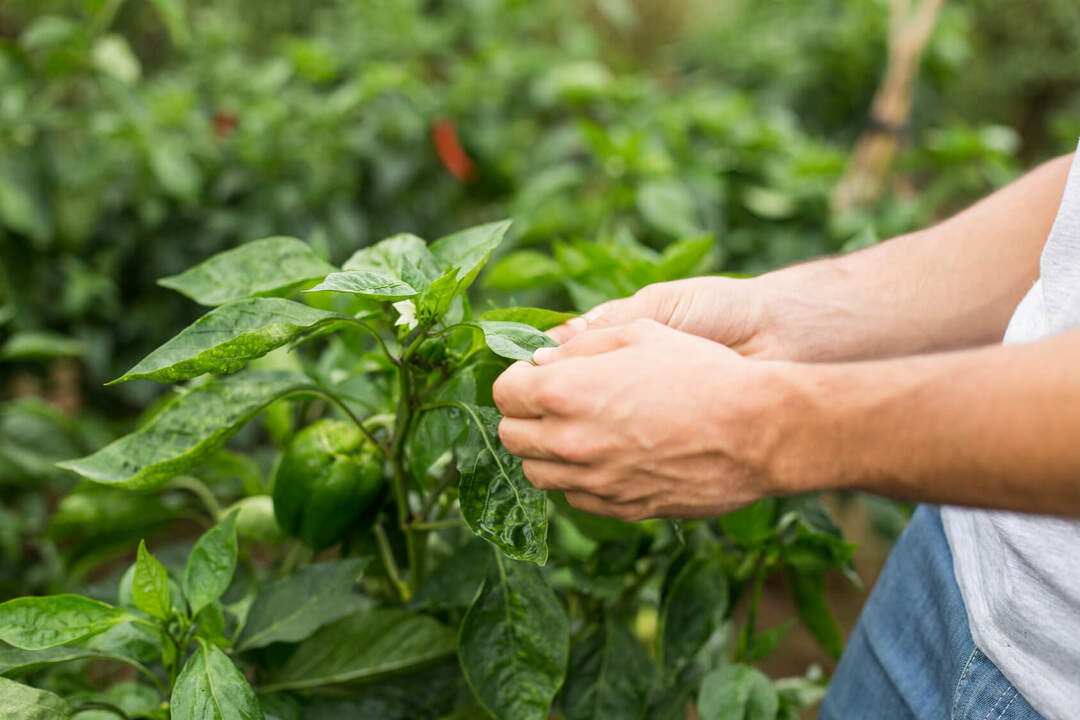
(578, 324)
(542, 354)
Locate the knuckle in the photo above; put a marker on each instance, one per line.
(555, 398)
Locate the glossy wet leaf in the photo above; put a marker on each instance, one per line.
(497, 502)
(210, 687)
(371, 285)
(271, 266)
(211, 564)
(535, 317)
(150, 585)
(227, 337)
(469, 250)
(36, 623)
(453, 584)
(737, 692)
(22, 702)
(188, 430)
(513, 340)
(292, 608)
(514, 642)
(439, 429)
(364, 646)
(809, 592)
(610, 675)
(693, 606)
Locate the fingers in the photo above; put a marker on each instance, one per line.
(551, 474)
(567, 330)
(630, 512)
(529, 438)
(614, 312)
(516, 391)
(596, 342)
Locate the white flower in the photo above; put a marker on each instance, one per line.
(408, 314)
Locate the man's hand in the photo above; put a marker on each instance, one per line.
(725, 310)
(641, 420)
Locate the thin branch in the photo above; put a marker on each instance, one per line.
(387, 557)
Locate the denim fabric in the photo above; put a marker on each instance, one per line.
(911, 654)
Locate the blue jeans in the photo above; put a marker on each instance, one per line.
(911, 654)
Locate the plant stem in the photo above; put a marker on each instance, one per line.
(387, 556)
(198, 488)
(433, 498)
(352, 416)
(378, 338)
(397, 459)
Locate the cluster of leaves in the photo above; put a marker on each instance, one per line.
(598, 618)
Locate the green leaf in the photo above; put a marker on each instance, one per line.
(364, 646)
(223, 340)
(288, 610)
(764, 643)
(469, 250)
(272, 266)
(669, 207)
(131, 644)
(403, 257)
(210, 687)
(15, 662)
(693, 607)
(454, 583)
(513, 340)
(536, 317)
(364, 283)
(36, 623)
(523, 270)
(514, 642)
(211, 565)
(497, 502)
(174, 168)
(610, 675)
(150, 586)
(438, 430)
(436, 298)
(188, 430)
(808, 590)
(40, 345)
(751, 524)
(22, 702)
(280, 706)
(737, 692)
(430, 693)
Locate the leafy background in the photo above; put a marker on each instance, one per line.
(630, 140)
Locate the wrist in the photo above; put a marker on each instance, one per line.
(813, 418)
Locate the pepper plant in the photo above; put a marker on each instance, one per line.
(401, 565)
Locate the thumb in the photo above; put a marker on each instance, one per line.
(606, 315)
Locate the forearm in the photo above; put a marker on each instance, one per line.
(954, 285)
(994, 427)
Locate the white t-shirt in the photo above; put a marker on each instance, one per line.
(1020, 574)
